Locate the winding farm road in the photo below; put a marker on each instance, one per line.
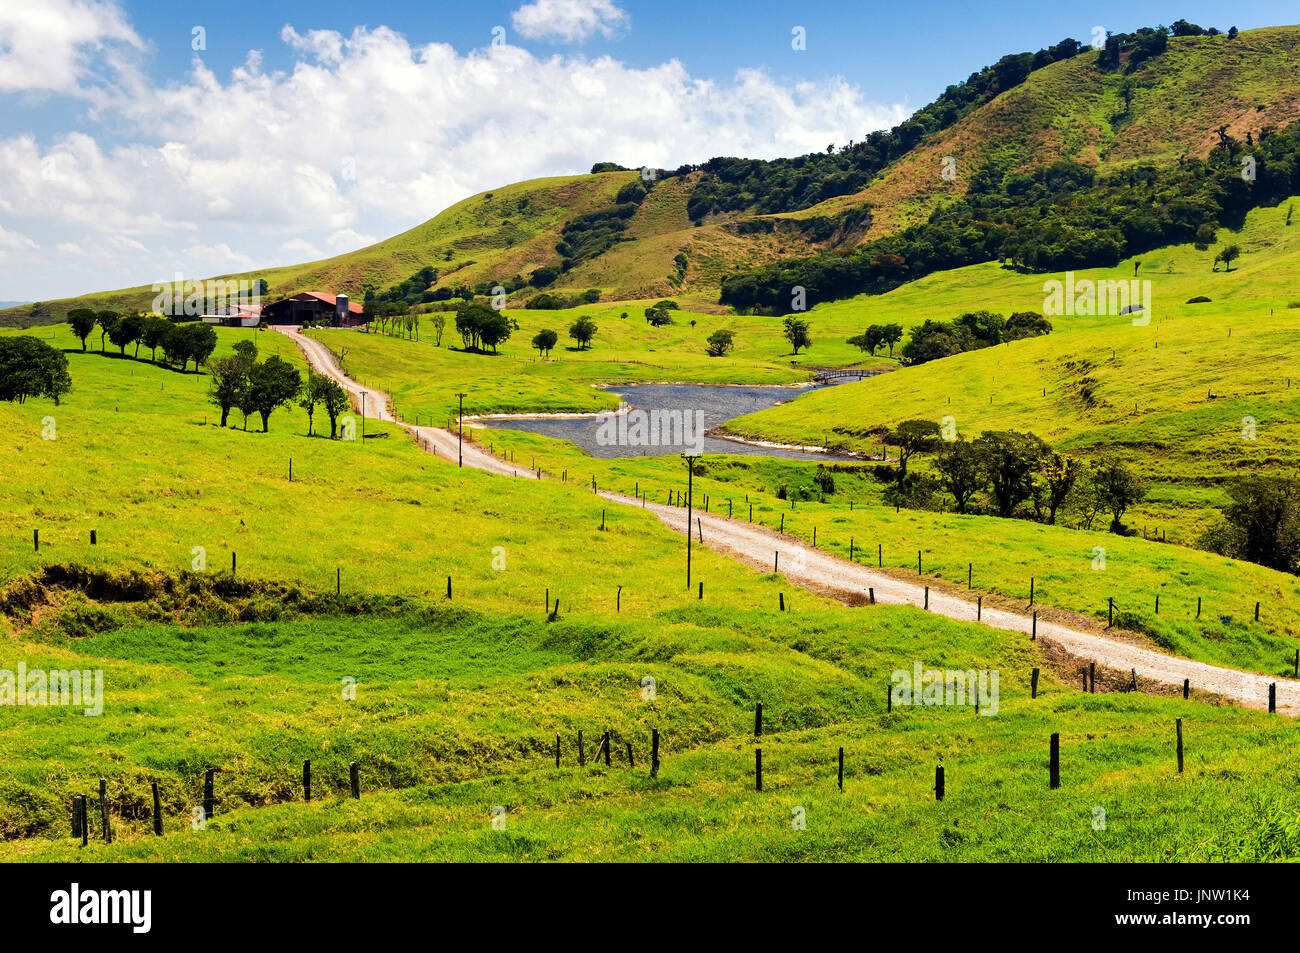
(821, 572)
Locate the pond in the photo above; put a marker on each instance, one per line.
(666, 420)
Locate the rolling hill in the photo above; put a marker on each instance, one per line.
(1169, 107)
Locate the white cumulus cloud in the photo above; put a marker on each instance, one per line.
(568, 21)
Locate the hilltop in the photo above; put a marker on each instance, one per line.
(681, 232)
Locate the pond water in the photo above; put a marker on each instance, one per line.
(666, 420)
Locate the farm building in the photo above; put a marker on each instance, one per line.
(248, 316)
(313, 307)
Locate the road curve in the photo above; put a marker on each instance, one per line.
(819, 571)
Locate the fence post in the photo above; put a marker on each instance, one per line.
(758, 720)
(1272, 697)
(938, 783)
(1033, 684)
(209, 800)
(582, 755)
(1033, 632)
(758, 769)
(1055, 771)
(1179, 723)
(103, 811)
(157, 810)
(1187, 688)
(654, 752)
(306, 781)
(354, 775)
(841, 774)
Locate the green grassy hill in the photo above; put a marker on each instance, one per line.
(1169, 107)
(1172, 395)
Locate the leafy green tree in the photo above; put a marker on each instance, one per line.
(961, 472)
(1011, 460)
(335, 400)
(911, 437)
(125, 331)
(439, 322)
(1118, 488)
(583, 330)
(31, 368)
(658, 317)
(1228, 256)
(229, 384)
(891, 334)
(153, 334)
(1053, 485)
(493, 328)
(1261, 524)
(198, 341)
(107, 321)
(797, 332)
(544, 341)
(471, 318)
(310, 396)
(83, 322)
(720, 342)
(272, 383)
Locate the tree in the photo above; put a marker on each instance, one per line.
(1228, 256)
(544, 341)
(311, 396)
(31, 368)
(1010, 459)
(658, 317)
(83, 322)
(107, 321)
(1261, 524)
(869, 340)
(910, 437)
(891, 334)
(124, 331)
(335, 401)
(153, 334)
(1117, 488)
(493, 328)
(583, 330)
(796, 331)
(229, 384)
(961, 472)
(197, 342)
(439, 322)
(471, 318)
(1053, 485)
(720, 342)
(271, 384)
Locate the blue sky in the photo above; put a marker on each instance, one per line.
(303, 130)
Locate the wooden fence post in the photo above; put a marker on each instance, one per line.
(1054, 779)
(841, 773)
(938, 783)
(157, 810)
(306, 781)
(209, 799)
(1187, 688)
(557, 749)
(758, 769)
(1033, 632)
(979, 608)
(1272, 698)
(85, 822)
(582, 755)
(630, 763)
(1179, 723)
(1033, 684)
(758, 720)
(654, 752)
(1092, 678)
(354, 775)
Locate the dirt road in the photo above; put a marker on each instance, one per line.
(819, 571)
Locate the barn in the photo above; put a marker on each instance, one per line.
(313, 307)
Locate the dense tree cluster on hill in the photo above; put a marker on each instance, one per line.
(1093, 222)
(932, 340)
(181, 342)
(785, 185)
(1261, 524)
(1007, 474)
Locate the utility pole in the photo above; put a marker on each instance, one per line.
(363, 415)
(460, 454)
(690, 473)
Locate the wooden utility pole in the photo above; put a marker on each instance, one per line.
(690, 476)
(460, 416)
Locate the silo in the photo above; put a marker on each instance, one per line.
(341, 310)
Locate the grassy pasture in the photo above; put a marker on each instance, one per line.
(456, 713)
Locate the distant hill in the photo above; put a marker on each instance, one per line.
(694, 226)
